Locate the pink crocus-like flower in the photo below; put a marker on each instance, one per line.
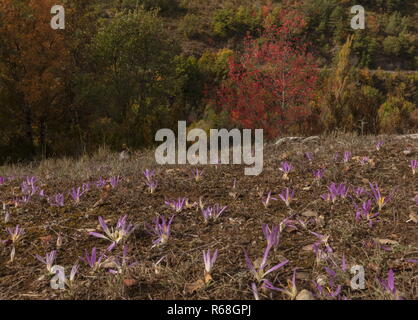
(379, 145)
(266, 200)
(57, 200)
(318, 174)
(272, 235)
(114, 181)
(48, 260)
(213, 213)
(209, 261)
(254, 289)
(161, 229)
(259, 273)
(197, 174)
(414, 165)
(122, 263)
(93, 260)
(287, 196)
(16, 233)
(347, 156)
(115, 235)
(286, 168)
(389, 285)
(177, 205)
(365, 211)
(379, 199)
(76, 193)
(152, 185)
(149, 174)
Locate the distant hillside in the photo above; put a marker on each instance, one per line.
(388, 42)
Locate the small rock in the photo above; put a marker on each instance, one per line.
(287, 139)
(308, 139)
(309, 214)
(305, 295)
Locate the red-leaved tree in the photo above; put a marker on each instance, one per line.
(271, 84)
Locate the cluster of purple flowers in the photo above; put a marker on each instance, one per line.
(213, 213)
(177, 205)
(334, 191)
(150, 180)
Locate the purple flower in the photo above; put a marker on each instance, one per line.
(287, 196)
(259, 273)
(92, 260)
(266, 200)
(272, 235)
(114, 181)
(335, 190)
(76, 194)
(177, 205)
(330, 292)
(122, 230)
(161, 229)
(389, 284)
(29, 187)
(16, 233)
(255, 291)
(122, 263)
(287, 222)
(318, 174)
(309, 156)
(364, 160)
(347, 156)
(379, 199)
(329, 197)
(213, 213)
(322, 241)
(48, 260)
(291, 289)
(197, 174)
(57, 201)
(338, 189)
(24, 199)
(73, 272)
(365, 211)
(343, 263)
(286, 168)
(379, 145)
(209, 261)
(6, 217)
(2, 180)
(152, 185)
(149, 174)
(359, 191)
(100, 183)
(414, 165)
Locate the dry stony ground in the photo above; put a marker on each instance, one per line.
(175, 270)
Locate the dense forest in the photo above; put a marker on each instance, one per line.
(122, 69)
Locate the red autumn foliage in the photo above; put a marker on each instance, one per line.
(271, 84)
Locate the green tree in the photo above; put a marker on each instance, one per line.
(135, 72)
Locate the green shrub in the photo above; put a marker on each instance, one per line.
(190, 26)
(162, 5)
(395, 114)
(232, 22)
